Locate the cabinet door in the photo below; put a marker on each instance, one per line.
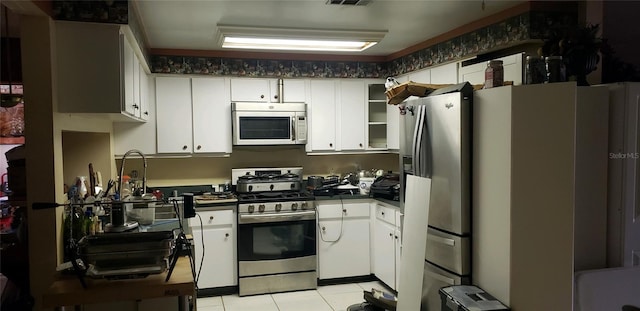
(295, 90)
(322, 115)
(352, 115)
(133, 135)
(250, 90)
(173, 113)
(513, 70)
(445, 74)
(144, 94)
(343, 248)
(397, 235)
(384, 253)
(393, 127)
(130, 79)
(211, 115)
(219, 266)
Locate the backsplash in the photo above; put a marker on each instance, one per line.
(162, 172)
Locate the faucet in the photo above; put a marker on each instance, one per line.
(144, 173)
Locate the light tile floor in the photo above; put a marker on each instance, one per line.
(325, 298)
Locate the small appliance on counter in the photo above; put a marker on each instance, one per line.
(386, 186)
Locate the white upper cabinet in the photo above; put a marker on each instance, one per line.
(211, 115)
(145, 101)
(445, 74)
(193, 115)
(322, 116)
(138, 135)
(97, 70)
(295, 90)
(253, 90)
(513, 70)
(268, 91)
(352, 115)
(380, 124)
(173, 113)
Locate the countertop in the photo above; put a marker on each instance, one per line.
(66, 290)
(356, 197)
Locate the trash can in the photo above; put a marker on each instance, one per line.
(468, 297)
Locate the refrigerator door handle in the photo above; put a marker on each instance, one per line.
(441, 240)
(440, 277)
(415, 148)
(426, 153)
(420, 123)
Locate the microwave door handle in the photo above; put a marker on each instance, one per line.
(293, 128)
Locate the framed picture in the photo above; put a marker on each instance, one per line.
(11, 115)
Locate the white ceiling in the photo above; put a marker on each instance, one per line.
(191, 24)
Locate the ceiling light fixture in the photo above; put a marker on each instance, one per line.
(295, 39)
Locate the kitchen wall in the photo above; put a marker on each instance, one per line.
(163, 172)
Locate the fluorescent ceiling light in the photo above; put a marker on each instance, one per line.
(264, 38)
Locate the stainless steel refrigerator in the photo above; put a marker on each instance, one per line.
(435, 142)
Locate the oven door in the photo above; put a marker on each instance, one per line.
(264, 128)
(281, 236)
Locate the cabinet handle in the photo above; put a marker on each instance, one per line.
(396, 237)
(135, 106)
(344, 210)
(391, 234)
(330, 145)
(184, 147)
(261, 96)
(226, 235)
(382, 213)
(146, 113)
(275, 96)
(199, 147)
(210, 217)
(361, 145)
(324, 229)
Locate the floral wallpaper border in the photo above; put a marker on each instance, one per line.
(509, 32)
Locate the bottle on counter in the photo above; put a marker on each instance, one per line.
(535, 69)
(494, 74)
(556, 71)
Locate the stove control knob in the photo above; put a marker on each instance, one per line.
(251, 208)
(271, 187)
(261, 208)
(303, 205)
(293, 186)
(294, 206)
(250, 188)
(278, 207)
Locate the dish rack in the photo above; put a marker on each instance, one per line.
(126, 255)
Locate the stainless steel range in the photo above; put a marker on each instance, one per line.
(276, 231)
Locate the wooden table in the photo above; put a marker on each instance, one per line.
(67, 290)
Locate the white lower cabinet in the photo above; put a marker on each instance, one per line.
(343, 239)
(218, 233)
(386, 244)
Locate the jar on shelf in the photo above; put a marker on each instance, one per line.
(556, 71)
(535, 69)
(494, 74)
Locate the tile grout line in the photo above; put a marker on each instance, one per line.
(274, 302)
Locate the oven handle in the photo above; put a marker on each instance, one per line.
(262, 218)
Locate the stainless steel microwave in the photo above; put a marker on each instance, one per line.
(269, 123)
